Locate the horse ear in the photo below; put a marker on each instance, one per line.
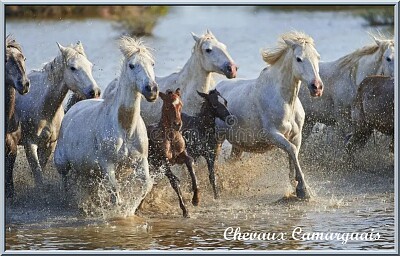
(162, 95)
(178, 92)
(290, 43)
(79, 47)
(202, 94)
(62, 48)
(195, 37)
(378, 41)
(210, 33)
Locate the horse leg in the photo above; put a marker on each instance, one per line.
(277, 139)
(236, 153)
(31, 151)
(44, 154)
(307, 127)
(11, 155)
(175, 185)
(188, 160)
(109, 174)
(210, 158)
(142, 173)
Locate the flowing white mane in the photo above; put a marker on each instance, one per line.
(272, 55)
(354, 57)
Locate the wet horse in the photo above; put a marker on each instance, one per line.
(40, 112)
(342, 78)
(372, 109)
(15, 80)
(267, 109)
(108, 136)
(199, 131)
(167, 146)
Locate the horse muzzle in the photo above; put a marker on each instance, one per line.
(22, 87)
(151, 92)
(230, 70)
(316, 88)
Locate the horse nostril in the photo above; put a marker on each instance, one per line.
(229, 68)
(237, 68)
(314, 87)
(92, 93)
(148, 88)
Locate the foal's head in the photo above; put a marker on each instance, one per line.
(218, 106)
(15, 66)
(171, 109)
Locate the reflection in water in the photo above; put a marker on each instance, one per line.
(348, 200)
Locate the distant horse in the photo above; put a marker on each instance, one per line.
(40, 112)
(199, 131)
(372, 109)
(167, 146)
(107, 135)
(342, 78)
(15, 79)
(269, 113)
(208, 56)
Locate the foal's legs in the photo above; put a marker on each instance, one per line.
(277, 139)
(188, 160)
(210, 158)
(175, 185)
(31, 151)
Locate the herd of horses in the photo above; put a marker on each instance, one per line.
(193, 116)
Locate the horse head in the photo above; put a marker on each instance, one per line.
(218, 106)
(214, 56)
(138, 67)
(15, 66)
(78, 71)
(171, 109)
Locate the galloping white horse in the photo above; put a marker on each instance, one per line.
(268, 111)
(108, 134)
(208, 55)
(40, 112)
(342, 78)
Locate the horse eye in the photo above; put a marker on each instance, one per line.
(299, 59)
(388, 59)
(131, 66)
(152, 64)
(73, 68)
(208, 50)
(24, 58)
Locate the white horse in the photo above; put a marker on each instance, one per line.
(268, 111)
(40, 112)
(108, 134)
(342, 78)
(208, 56)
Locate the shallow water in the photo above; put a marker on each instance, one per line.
(347, 199)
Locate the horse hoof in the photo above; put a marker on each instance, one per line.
(303, 194)
(186, 215)
(195, 200)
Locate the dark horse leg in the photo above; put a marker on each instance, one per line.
(210, 158)
(175, 185)
(188, 160)
(11, 155)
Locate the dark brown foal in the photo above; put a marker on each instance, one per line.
(167, 146)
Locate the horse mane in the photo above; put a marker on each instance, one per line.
(351, 59)
(130, 46)
(12, 43)
(272, 55)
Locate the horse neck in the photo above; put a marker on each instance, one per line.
(193, 76)
(207, 117)
(56, 90)
(368, 65)
(126, 103)
(282, 77)
(9, 102)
